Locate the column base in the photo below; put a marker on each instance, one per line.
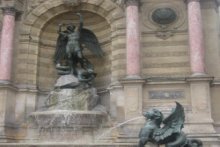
(7, 110)
(5, 82)
(199, 75)
(200, 116)
(129, 77)
(8, 132)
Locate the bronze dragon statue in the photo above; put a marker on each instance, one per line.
(170, 133)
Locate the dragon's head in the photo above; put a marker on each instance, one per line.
(154, 114)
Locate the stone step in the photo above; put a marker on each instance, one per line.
(66, 145)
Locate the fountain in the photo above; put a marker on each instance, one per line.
(69, 114)
(72, 113)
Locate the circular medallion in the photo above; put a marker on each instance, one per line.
(164, 16)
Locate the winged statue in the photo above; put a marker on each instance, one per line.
(69, 58)
(166, 131)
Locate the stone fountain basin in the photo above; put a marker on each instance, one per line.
(66, 118)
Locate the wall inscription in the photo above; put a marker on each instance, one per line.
(166, 94)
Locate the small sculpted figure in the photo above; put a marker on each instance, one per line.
(69, 58)
(170, 134)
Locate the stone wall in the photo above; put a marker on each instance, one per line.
(164, 48)
(37, 19)
(165, 60)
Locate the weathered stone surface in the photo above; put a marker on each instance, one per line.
(67, 79)
(65, 118)
(64, 126)
(72, 99)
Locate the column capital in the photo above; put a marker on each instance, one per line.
(218, 2)
(132, 2)
(188, 1)
(9, 11)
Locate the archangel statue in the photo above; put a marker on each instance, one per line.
(170, 133)
(69, 58)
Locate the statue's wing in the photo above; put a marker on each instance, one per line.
(89, 39)
(172, 124)
(60, 52)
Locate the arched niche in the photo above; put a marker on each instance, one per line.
(47, 74)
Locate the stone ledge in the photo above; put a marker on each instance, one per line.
(64, 145)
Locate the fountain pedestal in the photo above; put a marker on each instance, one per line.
(70, 115)
(64, 126)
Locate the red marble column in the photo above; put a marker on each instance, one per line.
(6, 48)
(133, 38)
(196, 40)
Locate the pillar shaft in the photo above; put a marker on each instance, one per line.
(6, 48)
(196, 39)
(133, 38)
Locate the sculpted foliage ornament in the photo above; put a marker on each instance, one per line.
(170, 133)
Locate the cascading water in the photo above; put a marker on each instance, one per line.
(118, 125)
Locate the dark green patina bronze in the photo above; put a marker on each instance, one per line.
(164, 16)
(69, 58)
(170, 133)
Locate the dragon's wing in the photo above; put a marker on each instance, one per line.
(172, 124)
(60, 52)
(89, 39)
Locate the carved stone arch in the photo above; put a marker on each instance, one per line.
(44, 12)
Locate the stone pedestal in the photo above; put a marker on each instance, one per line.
(133, 88)
(132, 108)
(7, 112)
(71, 114)
(201, 109)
